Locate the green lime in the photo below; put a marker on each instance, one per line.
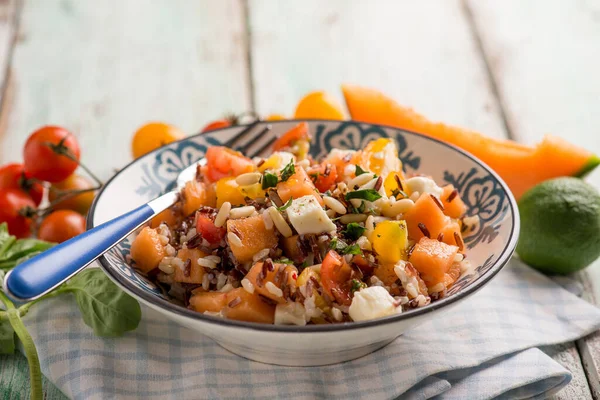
(560, 225)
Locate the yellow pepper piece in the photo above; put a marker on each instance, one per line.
(228, 190)
(390, 183)
(252, 191)
(390, 241)
(303, 279)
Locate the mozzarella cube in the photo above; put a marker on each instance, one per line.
(307, 216)
(372, 302)
(422, 184)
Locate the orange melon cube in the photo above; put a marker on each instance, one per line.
(253, 235)
(454, 207)
(428, 213)
(433, 259)
(147, 250)
(298, 185)
(167, 216)
(196, 195)
(248, 308)
(208, 301)
(196, 271)
(271, 276)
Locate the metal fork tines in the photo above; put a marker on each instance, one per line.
(251, 141)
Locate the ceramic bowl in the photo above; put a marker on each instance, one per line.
(488, 248)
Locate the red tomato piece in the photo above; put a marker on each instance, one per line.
(13, 176)
(222, 162)
(13, 203)
(51, 154)
(323, 176)
(299, 132)
(336, 276)
(205, 226)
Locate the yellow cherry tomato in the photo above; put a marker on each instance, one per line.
(152, 136)
(319, 105)
(390, 240)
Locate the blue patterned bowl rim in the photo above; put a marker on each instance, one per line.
(502, 260)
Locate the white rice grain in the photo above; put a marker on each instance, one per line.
(360, 180)
(331, 213)
(166, 268)
(221, 281)
(226, 288)
(177, 262)
(268, 221)
(335, 205)
(233, 239)
(223, 214)
(364, 243)
(205, 282)
(337, 314)
(415, 196)
(274, 290)
(170, 250)
(248, 286)
(261, 254)
(206, 263)
(348, 218)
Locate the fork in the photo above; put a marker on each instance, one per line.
(43, 273)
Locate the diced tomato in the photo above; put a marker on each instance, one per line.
(324, 176)
(222, 162)
(207, 229)
(299, 132)
(361, 262)
(336, 276)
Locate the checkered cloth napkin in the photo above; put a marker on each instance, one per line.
(485, 348)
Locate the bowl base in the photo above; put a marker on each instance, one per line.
(306, 359)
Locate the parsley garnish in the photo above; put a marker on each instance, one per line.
(337, 244)
(283, 260)
(397, 192)
(359, 170)
(364, 194)
(286, 205)
(352, 249)
(288, 171)
(356, 285)
(353, 231)
(360, 209)
(269, 180)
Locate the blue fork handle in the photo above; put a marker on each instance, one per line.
(41, 274)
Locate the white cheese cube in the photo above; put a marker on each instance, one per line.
(290, 314)
(307, 216)
(372, 302)
(422, 185)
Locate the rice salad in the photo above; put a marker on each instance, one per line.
(290, 240)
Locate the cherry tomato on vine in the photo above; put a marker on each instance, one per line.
(152, 136)
(218, 124)
(51, 154)
(13, 204)
(60, 226)
(13, 176)
(81, 202)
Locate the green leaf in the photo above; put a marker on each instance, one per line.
(283, 260)
(352, 249)
(353, 231)
(364, 194)
(286, 205)
(6, 240)
(288, 171)
(104, 307)
(357, 285)
(7, 336)
(359, 170)
(23, 247)
(269, 180)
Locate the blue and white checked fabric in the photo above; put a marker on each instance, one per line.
(485, 348)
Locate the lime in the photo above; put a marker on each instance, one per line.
(560, 225)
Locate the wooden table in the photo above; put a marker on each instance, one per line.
(102, 68)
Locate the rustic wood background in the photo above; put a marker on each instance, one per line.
(511, 68)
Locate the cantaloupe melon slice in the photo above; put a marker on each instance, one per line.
(519, 165)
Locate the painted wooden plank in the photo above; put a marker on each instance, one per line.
(421, 53)
(103, 68)
(9, 15)
(545, 56)
(566, 354)
(14, 380)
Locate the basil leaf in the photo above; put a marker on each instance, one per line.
(286, 205)
(10, 264)
(7, 336)
(6, 240)
(356, 285)
(359, 170)
(103, 306)
(353, 231)
(352, 249)
(283, 260)
(365, 194)
(24, 247)
(288, 171)
(269, 180)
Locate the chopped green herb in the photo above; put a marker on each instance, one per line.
(288, 171)
(364, 194)
(286, 205)
(357, 285)
(360, 209)
(283, 260)
(397, 192)
(314, 176)
(304, 264)
(352, 249)
(269, 180)
(337, 244)
(359, 170)
(353, 231)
